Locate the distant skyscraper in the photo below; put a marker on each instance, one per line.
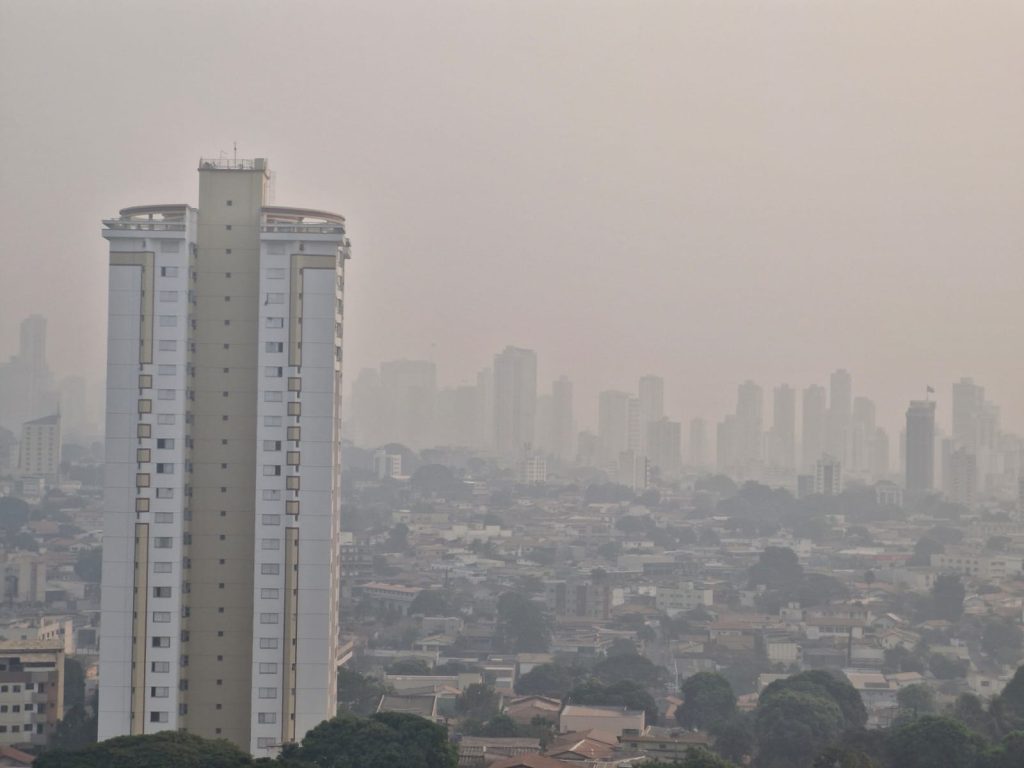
(652, 398)
(515, 401)
(457, 410)
(613, 424)
(862, 435)
(749, 424)
(782, 436)
(664, 445)
(726, 445)
(485, 404)
(636, 429)
(219, 599)
(409, 392)
(39, 448)
(26, 386)
(963, 477)
(968, 409)
(366, 410)
(920, 458)
(840, 411)
(881, 464)
(562, 421)
(813, 426)
(699, 455)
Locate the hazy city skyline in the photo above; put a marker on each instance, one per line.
(730, 199)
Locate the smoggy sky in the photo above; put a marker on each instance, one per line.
(707, 190)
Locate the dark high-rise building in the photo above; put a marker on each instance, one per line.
(840, 412)
(920, 458)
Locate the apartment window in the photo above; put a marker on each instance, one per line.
(273, 371)
(268, 643)
(168, 295)
(294, 433)
(158, 717)
(275, 273)
(161, 591)
(160, 666)
(144, 430)
(168, 271)
(292, 458)
(270, 470)
(167, 345)
(267, 718)
(142, 480)
(161, 642)
(275, 322)
(145, 406)
(165, 469)
(271, 495)
(168, 321)
(163, 567)
(270, 569)
(274, 346)
(142, 505)
(162, 542)
(291, 507)
(292, 483)
(274, 298)
(268, 618)
(159, 691)
(294, 384)
(271, 421)
(166, 370)
(270, 593)
(265, 742)
(165, 493)
(145, 381)
(268, 693)
(165, 394)
(294, 409)
(271, 519)
(166, 418)
(270, 544)
(161, 617)
(271, 445)
(271, 396)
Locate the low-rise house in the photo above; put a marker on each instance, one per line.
(523, 710)
(617, 720)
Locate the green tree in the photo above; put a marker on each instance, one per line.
(1007, 709)
(707, 699)
(777, 568)
(843, 757)
(1001, 639)
(14, 513)
(792, 728)
(359, 694)
(522, 625)
(89, 565)
(821, 683)
(623, 694)
(551, 680)
(970, 710)
(74, 683)
(629, 666)
(430, 602)
(916, 700)
(168, 749)
(498, 726)
(477, 701)
(695, 757)
(947, 668)
(925, 547)
(948, 597)
(934, 741)
(383, 740)
(75, 731)
(734, 738)
(410, 666)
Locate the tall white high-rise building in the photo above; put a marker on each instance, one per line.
(222, 486)
(782, 436)
(652, 398)
(563, 428)
(613, 424)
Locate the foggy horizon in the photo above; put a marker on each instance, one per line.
(699, 191)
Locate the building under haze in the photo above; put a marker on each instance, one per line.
(812, 433)
(26, 384)
(39, 448)
(221, 520)
(515, 401)
(920, 442)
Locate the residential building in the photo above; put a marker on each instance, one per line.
(221, 547)
(562, 421)
(31, 691)
(812, 435)
(782, 435)
(828, 476)
(39, 449)
(612, 424)
(840, 413)
(615, 720)
(664, 445)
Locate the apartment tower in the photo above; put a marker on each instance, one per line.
(222, 486)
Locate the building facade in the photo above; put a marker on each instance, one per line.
(222, 485)
(39, 448)
(31, 691)
(920, 458)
